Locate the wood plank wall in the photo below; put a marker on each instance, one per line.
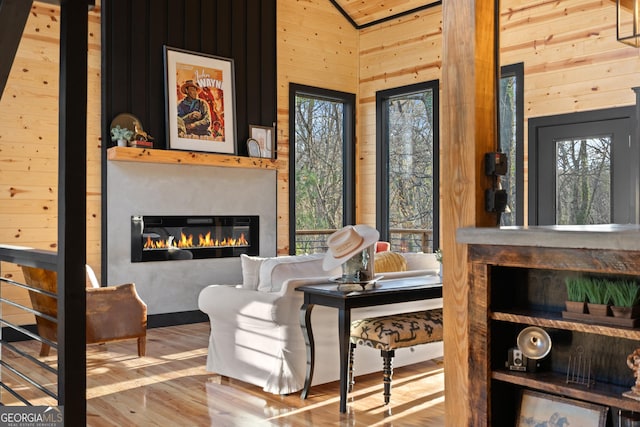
(316, 47)
(29, 147)
(573, 63)
(572, 60)
(398, 53)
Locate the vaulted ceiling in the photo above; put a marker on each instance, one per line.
(364, 13)
(361, 14)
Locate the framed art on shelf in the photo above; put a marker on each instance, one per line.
(547, 409)
(253, 148)
(265, 136)
(200, 102)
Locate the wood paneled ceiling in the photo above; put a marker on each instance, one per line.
(365, 13)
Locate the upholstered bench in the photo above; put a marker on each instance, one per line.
(388, 333)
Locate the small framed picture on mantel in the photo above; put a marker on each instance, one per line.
(265, 136)
(200, 102)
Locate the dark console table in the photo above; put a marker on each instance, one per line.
(332, 295)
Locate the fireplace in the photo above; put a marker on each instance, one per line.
(169, 238)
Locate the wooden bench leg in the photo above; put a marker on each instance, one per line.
(352, 379)
(387, 372)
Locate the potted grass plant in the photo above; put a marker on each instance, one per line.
(598, 297)
(625, 298)
(576, 294)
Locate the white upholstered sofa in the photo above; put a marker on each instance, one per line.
(255, 327)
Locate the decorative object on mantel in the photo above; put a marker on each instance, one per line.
(134, 131)
(628, 22)
(200, 101)
(253, 148)
(121, 136)
(265, 136)
(141, 139)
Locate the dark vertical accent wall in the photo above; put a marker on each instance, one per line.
(133, 35)
(134, 32)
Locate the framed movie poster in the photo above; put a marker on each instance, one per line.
(200, 101)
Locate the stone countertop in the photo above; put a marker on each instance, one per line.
(602, 236)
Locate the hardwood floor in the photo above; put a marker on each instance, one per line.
(170, 387)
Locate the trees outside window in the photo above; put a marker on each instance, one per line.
(511, 127)
(583, 168)
(322, 166)
(322, 156)
(583, 183)
(407, 169)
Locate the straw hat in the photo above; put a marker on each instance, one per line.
(346, 242)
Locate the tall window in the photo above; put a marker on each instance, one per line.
(511, 110)
(407, 170)
(322, 170)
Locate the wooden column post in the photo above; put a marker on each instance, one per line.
(468, 131)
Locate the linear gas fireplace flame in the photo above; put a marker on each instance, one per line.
(167, 238)
(187, 242)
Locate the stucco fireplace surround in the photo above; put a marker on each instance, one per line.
(135, 188)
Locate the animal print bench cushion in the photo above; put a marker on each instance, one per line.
(398, 330)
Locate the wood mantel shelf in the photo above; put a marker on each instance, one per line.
(145, 155)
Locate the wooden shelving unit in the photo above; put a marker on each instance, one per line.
(550, 382)
(516, 279)
(145, 155)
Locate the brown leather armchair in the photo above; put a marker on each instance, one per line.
(113, 313)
